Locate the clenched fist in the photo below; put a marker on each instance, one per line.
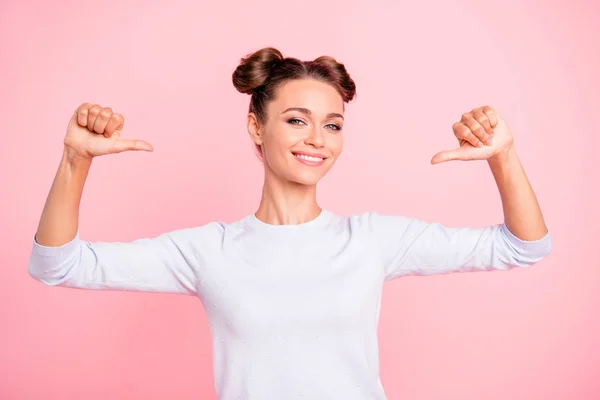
(94, 131)
(482, 134)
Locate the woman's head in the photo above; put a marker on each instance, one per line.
(296, 110)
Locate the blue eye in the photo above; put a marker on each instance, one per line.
(294, 121)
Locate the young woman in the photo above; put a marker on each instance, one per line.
(292, 292)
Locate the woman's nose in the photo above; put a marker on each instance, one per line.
(315, 137)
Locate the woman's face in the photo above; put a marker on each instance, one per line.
(302, 136)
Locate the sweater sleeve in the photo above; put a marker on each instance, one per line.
(410, 246)
(168, 263)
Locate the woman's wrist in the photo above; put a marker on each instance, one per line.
(75, 160)
(503, 158)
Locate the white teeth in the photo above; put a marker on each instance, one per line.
(309, 158)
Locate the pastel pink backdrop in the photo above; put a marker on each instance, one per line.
(166, 66)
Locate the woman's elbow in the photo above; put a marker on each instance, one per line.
(517, 252)
(55, 271)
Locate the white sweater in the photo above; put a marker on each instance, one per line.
(293, 309)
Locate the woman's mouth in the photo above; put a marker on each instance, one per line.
(310, 160)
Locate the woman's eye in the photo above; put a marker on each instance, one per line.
(296, 121)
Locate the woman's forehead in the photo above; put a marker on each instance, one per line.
(317, 97)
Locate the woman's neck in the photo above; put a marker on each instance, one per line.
(287, 203)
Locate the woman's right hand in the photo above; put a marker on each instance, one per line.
(94, 131)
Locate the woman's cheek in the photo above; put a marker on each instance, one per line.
(336, 145)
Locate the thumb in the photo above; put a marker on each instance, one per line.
(131, 145)
(450, 155)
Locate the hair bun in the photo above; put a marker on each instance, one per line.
(340, 75)
(254, 70)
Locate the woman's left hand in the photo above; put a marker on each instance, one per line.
(482, 134)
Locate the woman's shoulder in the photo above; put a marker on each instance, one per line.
(376, 222)
(366, 216)
(209, 230)
(368, 219)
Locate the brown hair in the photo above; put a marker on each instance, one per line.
(262, 72)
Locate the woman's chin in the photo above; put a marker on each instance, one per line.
(303, 176)
(307, 179)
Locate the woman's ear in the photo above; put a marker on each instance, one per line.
(254, 129)
(255, 135)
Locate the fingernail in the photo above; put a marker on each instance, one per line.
(489, 142)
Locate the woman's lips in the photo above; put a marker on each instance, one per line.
(310, 160)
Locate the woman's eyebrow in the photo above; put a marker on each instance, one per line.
(308, 112)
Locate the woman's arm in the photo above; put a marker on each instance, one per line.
(92, 131)
(522, 213)
(410, 246)
(60, 217)
(167, 263)
(484, 135)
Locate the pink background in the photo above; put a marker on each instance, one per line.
(166, 66)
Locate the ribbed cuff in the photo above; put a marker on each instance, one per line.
(54, 251)
(540, 247)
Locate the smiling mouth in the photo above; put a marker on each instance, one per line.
(309, 158)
